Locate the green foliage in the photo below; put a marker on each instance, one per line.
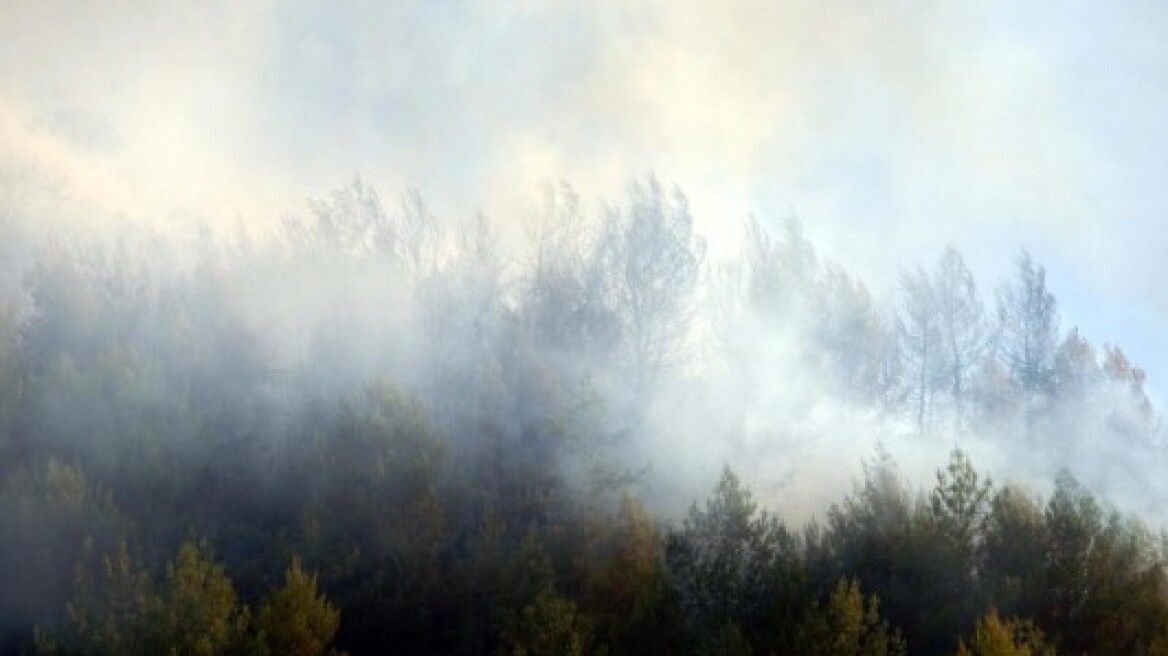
(112, 601)
(548, 626)
(375, 468)
(846, 625)
(731, 563)
(942, 554)
(371, 521)
(197, 613)
(471, 504)
(118, 609)
(996, 637)
(296, 620)
(872, 536)
(627, 593)
(959, 503)
(880, 509)
(1013, 553)
(51, 512)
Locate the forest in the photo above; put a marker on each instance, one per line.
(376, 431)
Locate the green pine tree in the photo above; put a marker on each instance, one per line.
(297, 620)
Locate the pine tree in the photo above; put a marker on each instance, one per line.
(297, 620)
(112, 601)
(729, 562)
(847, 625)
(997, 637)
(959, 503)
(197, 613)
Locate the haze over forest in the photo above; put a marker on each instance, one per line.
(582, 328)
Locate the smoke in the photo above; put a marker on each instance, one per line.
(193, 133)
(776, 362)
(910, 126)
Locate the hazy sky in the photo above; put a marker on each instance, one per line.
(889, 128)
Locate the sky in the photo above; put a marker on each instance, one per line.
(889, 129)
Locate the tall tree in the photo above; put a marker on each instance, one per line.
(197, 611)
(730, 563)
(1129, 411)
(920, 332)
(961, 318)
(1012, 551)
(418, 233)
(1075, 367)
(112, 601)
(852, 333)
(944, 559)
(958, 506)
(656, 259)
(567, 302)
(781, 273)
(1028, 327)
(296, 620)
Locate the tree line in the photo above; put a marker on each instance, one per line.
(372, 434)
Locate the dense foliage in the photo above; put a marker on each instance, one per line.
(366, 437)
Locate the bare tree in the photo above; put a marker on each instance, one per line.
(1028, 327)
(920, 333)
(782, 273)
(655, 259)
(961, 318)
(418, 234)
(567, 302)
(351, 220)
